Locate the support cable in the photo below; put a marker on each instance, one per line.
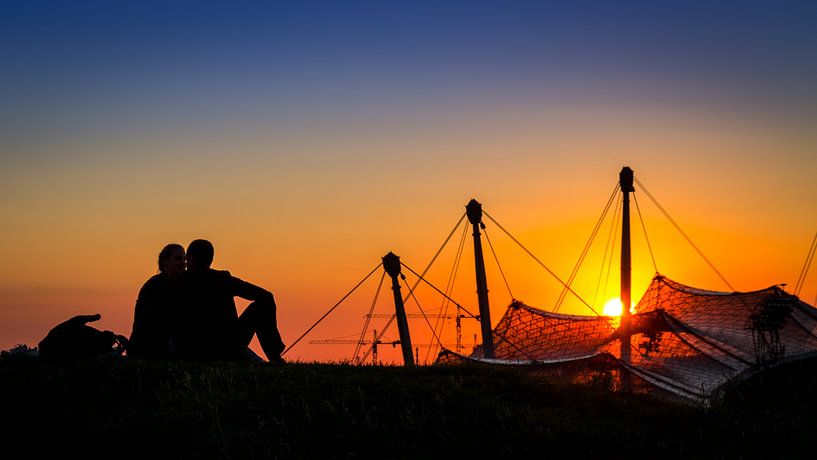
(528, 355)
(801, 280)
(369, 316)
(449, 287)
(433, 332)
(464, 309)
(677, 227)
(485, 231)
(420, 278)
(644, 228)
(430, 263)
(616, 227)
(608, 249)
(541, 264)
(586, 248)
(519, 349)
(331, 310)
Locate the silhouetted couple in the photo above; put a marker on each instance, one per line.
(191, 314)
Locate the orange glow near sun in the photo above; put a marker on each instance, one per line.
(613, 307)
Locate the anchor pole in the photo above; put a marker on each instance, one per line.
(626, 183)
(474, 211)
(391, 263)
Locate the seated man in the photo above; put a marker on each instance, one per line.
(204, 322)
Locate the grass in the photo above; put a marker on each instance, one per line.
(132, 409)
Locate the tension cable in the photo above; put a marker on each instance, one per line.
(331, 309)
(586, 248)
(678, 227)
(420, 278)
(541, 264)
(430, 263)
(433, 332)
(485, 231)
(801, 280)
(644, 228)
(369, 316)
(449, 287)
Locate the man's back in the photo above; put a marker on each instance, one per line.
(205, 323)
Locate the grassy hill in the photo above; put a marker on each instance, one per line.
(124, 408)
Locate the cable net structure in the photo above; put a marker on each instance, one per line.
(684, 341)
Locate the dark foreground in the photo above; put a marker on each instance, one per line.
(125, 409)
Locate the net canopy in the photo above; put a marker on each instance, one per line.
(682, 340)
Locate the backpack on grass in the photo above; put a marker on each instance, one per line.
(74, 338)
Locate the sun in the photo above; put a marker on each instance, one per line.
(613, 307)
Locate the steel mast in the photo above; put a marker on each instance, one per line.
(474, 211)
(391, 263)
(626, 184)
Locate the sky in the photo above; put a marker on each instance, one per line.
(308, 139)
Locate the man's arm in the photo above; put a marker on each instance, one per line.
(247, 290)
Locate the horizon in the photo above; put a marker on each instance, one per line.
(307, 141)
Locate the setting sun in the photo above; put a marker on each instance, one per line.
(613, 307)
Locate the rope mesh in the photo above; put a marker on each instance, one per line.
(685, 341)
(549, 336)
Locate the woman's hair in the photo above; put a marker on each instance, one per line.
(166, 252)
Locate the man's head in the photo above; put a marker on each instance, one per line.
(199, 255)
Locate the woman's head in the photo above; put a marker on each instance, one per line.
(171, 259)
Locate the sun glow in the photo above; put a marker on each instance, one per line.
(613, 307)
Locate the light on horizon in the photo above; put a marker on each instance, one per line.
(613, 307)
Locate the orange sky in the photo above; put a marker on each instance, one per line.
(82, 237)
(307, 142)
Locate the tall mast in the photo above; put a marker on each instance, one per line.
(626, 183)
(474, 211)
(391, 263)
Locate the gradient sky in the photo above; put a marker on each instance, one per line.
(308, 139)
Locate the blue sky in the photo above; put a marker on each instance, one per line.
(128, 65)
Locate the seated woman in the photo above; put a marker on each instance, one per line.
(150, 338)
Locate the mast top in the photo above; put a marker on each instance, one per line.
(391, 263)
(474, 211)
(625, 179)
